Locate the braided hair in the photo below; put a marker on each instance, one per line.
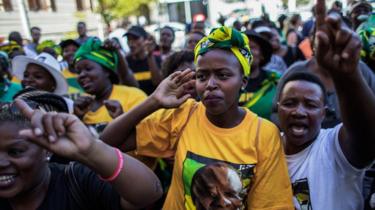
(45, 100)
(36, 99)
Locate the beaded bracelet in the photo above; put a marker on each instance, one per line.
(119, 167)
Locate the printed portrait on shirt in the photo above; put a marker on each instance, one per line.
(214, 184)
(301, 194)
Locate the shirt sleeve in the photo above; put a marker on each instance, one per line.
(99, 194)
(271, 188)
(157, 135)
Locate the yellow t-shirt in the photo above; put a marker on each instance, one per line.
(207, 156)
(128, 98)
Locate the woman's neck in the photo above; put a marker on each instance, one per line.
(229, 119)
(105, 94)
(32, 199)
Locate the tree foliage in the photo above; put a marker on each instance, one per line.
(114, 9)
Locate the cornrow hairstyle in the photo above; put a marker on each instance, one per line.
(45, 100)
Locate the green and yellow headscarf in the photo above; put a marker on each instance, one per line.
(48, 44)
(227, 38)
(92, 50)
(10, 47)
(366, 32)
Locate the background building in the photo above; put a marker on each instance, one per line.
(56, 18)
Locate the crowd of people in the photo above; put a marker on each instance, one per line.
(258, 115)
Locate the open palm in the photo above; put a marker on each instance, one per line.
(170, 92)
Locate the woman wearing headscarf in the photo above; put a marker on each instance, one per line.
(102, 178)
(97, 74)
(214, 130)
(7, 88)
(261, 87)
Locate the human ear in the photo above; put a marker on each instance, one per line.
(244, 82)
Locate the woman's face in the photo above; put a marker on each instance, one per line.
(38, 77)
(68, 53)
(257, 54)
(92, 77)
(219, 79)
(192, 40)
(275, 40)
(23, 165)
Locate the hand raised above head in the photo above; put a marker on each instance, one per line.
(170, 92)
(150, 46)
(338, 48)
(111, 44)
(60, 133)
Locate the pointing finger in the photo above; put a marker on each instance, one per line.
(33, 115)
(25, 109)
(320, 10)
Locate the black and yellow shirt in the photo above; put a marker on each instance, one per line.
(142, 72)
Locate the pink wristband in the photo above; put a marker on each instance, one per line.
(119, 167)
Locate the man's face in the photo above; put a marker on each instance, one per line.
(81, 29)
(301, 111)
(35, 34)
(217, 187)
(166, 37)
(136, 44)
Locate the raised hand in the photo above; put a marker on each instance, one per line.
(338, 49)
(111, 44)
(114, 108)
(171, 91)
(82, 105)
(150, 45)
(60, 133)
